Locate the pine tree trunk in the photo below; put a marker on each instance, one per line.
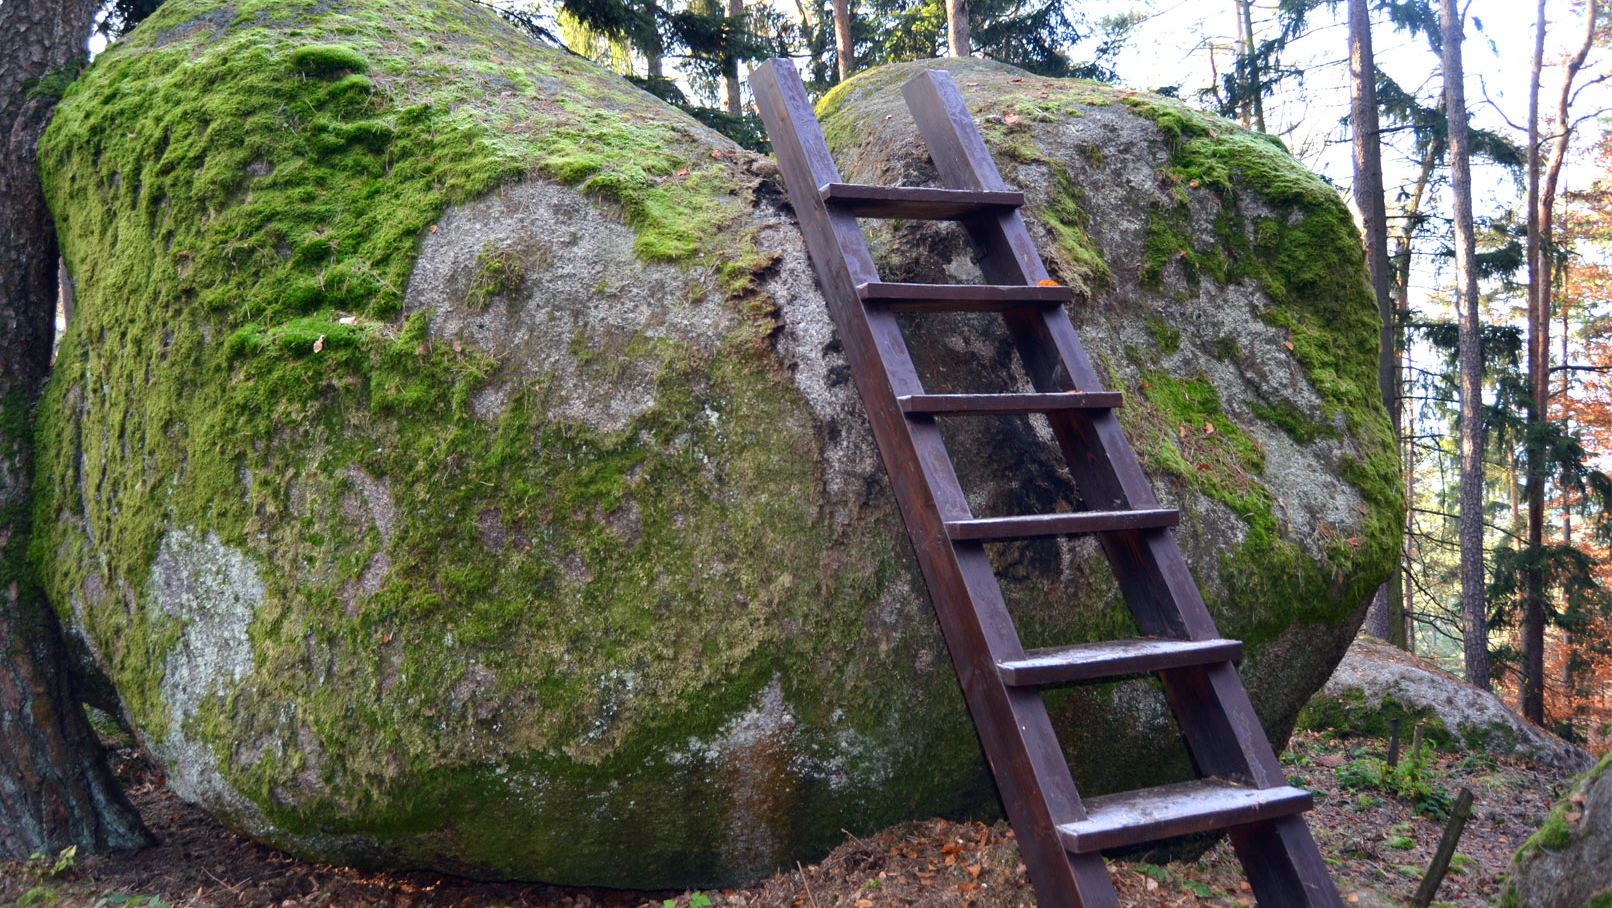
(957, 37)
(651, 44)
(1368, 189)
(55, 789)
(1474, 611)
(1251, 64)
(1531, 693)
(1570, 684)
(1400, 632)
(1541, 229)
(730, 75)
(844, 47)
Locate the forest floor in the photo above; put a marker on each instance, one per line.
(1377, 834)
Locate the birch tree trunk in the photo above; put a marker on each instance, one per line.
(55, 788)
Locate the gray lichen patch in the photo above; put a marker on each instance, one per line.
(213, 592)
(590, 323)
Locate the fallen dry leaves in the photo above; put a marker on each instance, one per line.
(927, 864)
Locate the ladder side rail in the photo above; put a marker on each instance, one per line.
(1100, 458)
(1015, 730)
(1227, 740)
(1283, 864)
(1282, 861)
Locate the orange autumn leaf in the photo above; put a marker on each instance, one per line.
(1047, 282)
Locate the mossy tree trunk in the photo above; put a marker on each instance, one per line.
(55, 788)
(1473, 607)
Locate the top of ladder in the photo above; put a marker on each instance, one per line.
(1241, 787)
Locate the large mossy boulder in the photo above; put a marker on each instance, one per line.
(1568, 862)
(452, 465)
(1377, 683)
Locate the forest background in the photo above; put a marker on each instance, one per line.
(1505, 573)
(1472, 140)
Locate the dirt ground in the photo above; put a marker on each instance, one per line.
(1376, 843)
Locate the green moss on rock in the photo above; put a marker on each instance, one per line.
(1350, 714)
(328, 59)
(479, 620)
(458, 613)
(1210, 218)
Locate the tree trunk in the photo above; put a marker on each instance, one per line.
(1368, 188)
(1251, 85)
(1400, 632)
(1473, 609)
(1405, 627)
(651, 45)
(844, 47)
(55, 789)
(730, 68)
(1541, 229)
(1531, 693)
(957, 27)
(1569, 682)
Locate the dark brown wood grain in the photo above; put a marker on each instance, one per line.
(1032, 525)
(1184, 808)
(1058, 834)
(916, 202)
(55, 788)
(1004, 404)
(1031, 774)
(1114, 658)
(1004, 294)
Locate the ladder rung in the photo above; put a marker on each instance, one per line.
(960, 297)
(1001, 404)
(916, 201)
(1133, 817)
(1113, 658)
(992, 528)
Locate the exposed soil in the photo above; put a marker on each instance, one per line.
(1377, 844)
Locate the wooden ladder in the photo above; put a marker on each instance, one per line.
(1061, 835)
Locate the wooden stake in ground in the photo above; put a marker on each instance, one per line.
(1393, 742)
(1446, 849)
